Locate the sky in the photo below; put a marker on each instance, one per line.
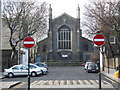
(67, 6)
(61, 6)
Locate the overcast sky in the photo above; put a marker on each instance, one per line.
(68, 6)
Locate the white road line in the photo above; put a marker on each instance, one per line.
(87, 82)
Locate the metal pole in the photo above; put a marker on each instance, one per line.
(18, 54)
(108, 66)
(102, 59)
(28, 69)
(99, 73)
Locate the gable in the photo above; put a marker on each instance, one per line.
(64, 18)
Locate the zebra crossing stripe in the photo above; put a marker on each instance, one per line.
(75, 82)
(97, 81)
(50, 82)
(39, 82)
(62, 82)
(44, 82)
(93, 82)
(87, 82)
(104, 82)
(80, 82)
(68, 82)
(56, 82)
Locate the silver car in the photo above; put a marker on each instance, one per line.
(21, 70)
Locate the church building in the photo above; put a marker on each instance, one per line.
(65, 41)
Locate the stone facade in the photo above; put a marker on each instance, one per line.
(78, 49)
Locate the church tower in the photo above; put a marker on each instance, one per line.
(78, 21)
(78, 30)
(50, 32)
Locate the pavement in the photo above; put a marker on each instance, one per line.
(7, 85)
(110, 75)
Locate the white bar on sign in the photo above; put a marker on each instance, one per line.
(99, 39)
(28, 42)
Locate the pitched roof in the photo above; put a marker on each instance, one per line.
(64, 14)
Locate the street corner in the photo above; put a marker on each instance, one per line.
(8, 85)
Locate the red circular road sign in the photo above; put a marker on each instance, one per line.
(28, 42)
(99, 40)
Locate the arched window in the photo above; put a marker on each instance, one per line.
(64, 38)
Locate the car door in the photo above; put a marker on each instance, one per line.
(24, 70)
(16, 70)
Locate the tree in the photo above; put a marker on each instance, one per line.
(103, 17)
(23, 19)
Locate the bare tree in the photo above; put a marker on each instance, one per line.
(23, 19)
(105, 18)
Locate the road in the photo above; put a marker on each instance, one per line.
(59, 73)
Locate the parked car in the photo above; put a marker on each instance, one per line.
(43, 69)
(92, 67)
(86, 65)
(21, 70)
(40, 64)
(83, 64)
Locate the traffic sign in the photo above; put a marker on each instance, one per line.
(99, 40)
(28, 42)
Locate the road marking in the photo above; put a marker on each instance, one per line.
(97, 81)
(75, 82)
(110, 80)
(44, 82)
(80, 82)
(18, 86)
(93, 82)
(56, 82)
(62, 82)
(68, 82)
(50, 82)
(39, 82)
(87, 82)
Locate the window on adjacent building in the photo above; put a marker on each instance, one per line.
(112, 40)
(64, 38)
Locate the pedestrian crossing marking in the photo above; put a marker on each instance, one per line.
(69, 82)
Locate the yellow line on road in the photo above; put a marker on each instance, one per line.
(18, 86)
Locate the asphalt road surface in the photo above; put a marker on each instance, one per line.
(59, 73)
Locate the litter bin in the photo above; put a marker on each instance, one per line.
(116, 74)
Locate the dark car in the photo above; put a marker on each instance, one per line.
(40, 64)
(92, 67)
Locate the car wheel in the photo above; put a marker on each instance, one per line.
(42, 72)
(33, 74)
(87, 71)
(10, 75)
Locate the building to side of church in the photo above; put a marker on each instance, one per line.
(65, 41)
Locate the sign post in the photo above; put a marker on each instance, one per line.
(99, 40)
(28, 42)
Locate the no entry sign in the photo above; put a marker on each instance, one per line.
(99, 40)
(28, 42)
